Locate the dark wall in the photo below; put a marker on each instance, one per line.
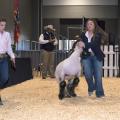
(26, 15)
(61, 25)
(97, 11)
(106, 13)
(6, 11)
(30, 17)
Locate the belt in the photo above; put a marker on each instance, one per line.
(3, 56)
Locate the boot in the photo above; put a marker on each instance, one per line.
(62, 90)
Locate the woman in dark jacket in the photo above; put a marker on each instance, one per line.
(92, 57)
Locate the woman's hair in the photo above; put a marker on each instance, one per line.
(98, 29)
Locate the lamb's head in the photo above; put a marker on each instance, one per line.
(80, 45)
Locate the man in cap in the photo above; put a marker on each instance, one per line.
(48, 42)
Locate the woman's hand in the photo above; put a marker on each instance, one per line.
(13, 63)
(81, 44)
(52, 40)
(13, 60)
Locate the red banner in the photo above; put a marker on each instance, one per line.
(16, 21)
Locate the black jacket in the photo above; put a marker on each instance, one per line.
(95, 45)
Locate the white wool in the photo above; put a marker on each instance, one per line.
(70, 67)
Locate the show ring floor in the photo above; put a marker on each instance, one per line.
(38, 100)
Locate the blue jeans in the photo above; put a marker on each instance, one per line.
(3, 72)
(93, 74)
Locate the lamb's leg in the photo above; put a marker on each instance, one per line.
(62, 86)
(75, 84)
(68, 88)
(72, 84)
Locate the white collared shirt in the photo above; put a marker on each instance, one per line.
(5, 44)
(89, 40)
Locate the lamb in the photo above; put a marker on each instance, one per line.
(70, 70)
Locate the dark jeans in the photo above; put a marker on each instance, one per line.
(93, 74)
(3, 72)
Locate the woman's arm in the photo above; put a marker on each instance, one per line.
(56, 41)
(42, 41)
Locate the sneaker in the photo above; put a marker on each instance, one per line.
(90, 93)
(102, 96)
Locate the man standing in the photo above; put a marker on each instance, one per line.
(5, 48)
(48, 42)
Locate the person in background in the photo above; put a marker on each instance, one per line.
(48, 43)
(93, 57)
(5, 48)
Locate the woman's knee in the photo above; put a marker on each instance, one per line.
(88, 73)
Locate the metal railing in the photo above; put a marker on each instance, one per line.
(110, 64)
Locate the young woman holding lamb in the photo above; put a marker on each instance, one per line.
(92, 57)
(70, 70)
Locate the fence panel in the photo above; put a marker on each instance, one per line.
(110, 64)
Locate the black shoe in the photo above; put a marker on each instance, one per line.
(1, 103)
(62, 90)
(101, 96)
(90, 93)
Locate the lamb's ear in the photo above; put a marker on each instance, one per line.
(77, 44)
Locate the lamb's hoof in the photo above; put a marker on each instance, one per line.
(71, 93)
(68, 96)
(74, 95)
(60, 96)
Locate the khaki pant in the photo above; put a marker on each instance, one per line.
(48, 63)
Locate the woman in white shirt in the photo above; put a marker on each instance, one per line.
(5, 47)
